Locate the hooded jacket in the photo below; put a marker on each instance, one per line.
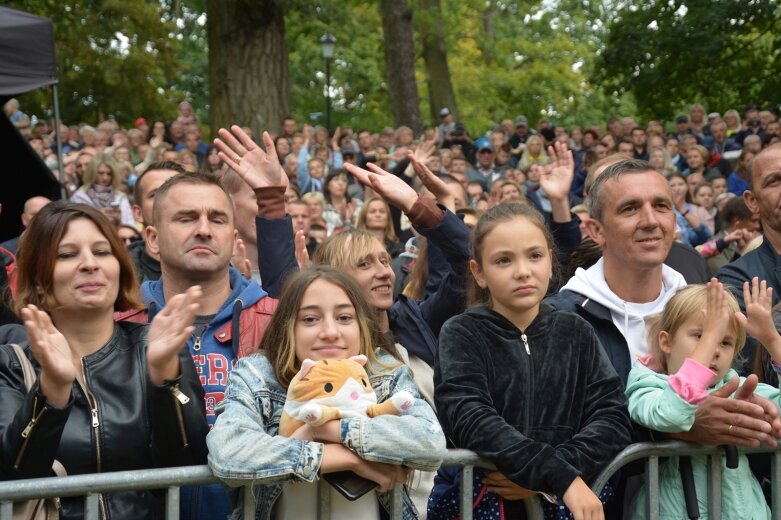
(543, 404)
(147, 268)
(621, 332)
(235, 331)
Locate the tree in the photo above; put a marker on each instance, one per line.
(114, 58)
(397, 33)
(668, 53)
(248, 66)
(431, 29)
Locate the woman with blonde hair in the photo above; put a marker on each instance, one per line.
(533, 153)
(375, 217)
(101, 190)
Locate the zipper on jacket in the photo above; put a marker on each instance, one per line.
(197, 343)
(526, 344)
(179, 400)
(93, 406)
(27, 429)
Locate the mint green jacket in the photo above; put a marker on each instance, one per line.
(653, 404)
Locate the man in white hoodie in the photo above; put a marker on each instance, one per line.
(633, 221)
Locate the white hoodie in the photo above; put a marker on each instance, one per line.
(628, 317)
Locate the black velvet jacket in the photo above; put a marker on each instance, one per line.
(544, 410)
(135, 424)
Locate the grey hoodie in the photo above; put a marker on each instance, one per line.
(628, 317)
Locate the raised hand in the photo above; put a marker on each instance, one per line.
(169, 332)
(302, 255)
(258, 168)
(717, 317)
(51, 350)
(335, 140)
(423, 151)
(556, 179)
(433, 183)
(394, 190)
(240, 261)
(758, 320)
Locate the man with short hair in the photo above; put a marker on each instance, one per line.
(447, 125)
(289, 128)
(148, 263)
(763, 197)
(192, 143)
(31, 208)
(626, 147)
(485, 170)
(638, 137)
(632, 219)
(193, 234)
(299, 215)
(721, 143)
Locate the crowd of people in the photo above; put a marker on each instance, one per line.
(547, 296)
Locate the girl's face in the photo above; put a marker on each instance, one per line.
(704, 197)
(719, 186)
(104, 175)
(376, 216)
(159, 129)
(283, 147)
(327, 325)
(515, 266)
(337, 186)
(122, 154)
(322, 154)
(535, 172)
(731, 120)
(677, 347)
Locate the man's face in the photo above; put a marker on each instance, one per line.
(672, 147)
(773, 128)
(299, 214)
(289, 126)
(364, 141)
(148, 186)
(765, 197)
(458, 165)
(485, 157)
(637, 225)
(101, 139)
(626, 148)
(638, 138)
(82, 163)
(192, 142)
(194, 233)
(719, 132)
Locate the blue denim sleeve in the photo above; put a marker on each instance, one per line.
(242, 448)
(414, 438)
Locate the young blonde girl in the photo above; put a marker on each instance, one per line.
(524, 386)
(694, 344)
(322, 315)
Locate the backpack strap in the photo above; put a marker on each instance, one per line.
(27, 367)
(29, 381)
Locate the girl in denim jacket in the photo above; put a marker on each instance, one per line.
(696, 340)
(322, 315)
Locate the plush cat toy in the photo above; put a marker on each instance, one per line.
(333, 389)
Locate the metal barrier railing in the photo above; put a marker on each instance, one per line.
(172, 479)
(654, 450)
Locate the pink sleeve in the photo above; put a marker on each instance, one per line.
(691, 381)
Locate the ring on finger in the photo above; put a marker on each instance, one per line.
(238, 159)
(729, 431)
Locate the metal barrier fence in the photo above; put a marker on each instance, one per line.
(172, 479)
(654, 450)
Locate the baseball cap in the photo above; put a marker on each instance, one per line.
(444, 112)
(521, 121)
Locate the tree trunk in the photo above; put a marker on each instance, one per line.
(400, 63)
(248, 65)
(431, 30)
(487, 48)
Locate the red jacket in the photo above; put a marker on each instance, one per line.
(253, 323)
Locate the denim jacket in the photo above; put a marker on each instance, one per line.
(245, 448)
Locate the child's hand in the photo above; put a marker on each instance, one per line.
(716, 321)
(582, 502)
(759, 323)
(498, 483)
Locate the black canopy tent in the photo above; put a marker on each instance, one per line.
(27, 62)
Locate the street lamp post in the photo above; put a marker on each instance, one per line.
(327, 44)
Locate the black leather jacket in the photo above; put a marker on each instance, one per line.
(121, 422)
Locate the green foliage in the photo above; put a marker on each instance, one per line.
(668, 53)
(115, 57)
